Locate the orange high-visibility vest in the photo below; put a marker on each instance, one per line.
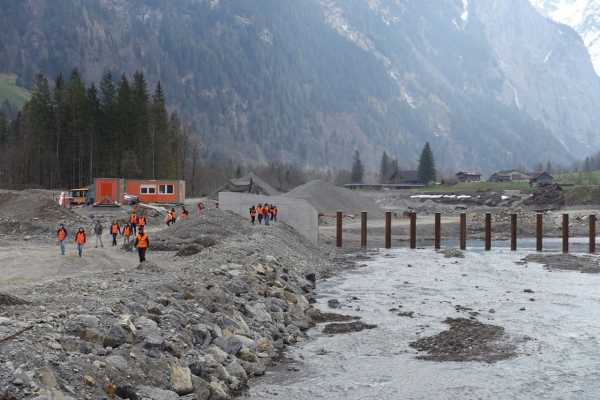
(142, 241)
(80, 237)
(126, 231)
(114, 228)
(62, 234)
(142, 221)
(133, 219)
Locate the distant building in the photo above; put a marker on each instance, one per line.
(542, 178)
(463, 176)
(410, 177)
(250, 183)
(509, 176)
(114, 191)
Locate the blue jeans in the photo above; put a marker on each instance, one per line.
(61, 243)
(79, 249)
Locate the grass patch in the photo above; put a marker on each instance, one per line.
(11, 92)
(579, 178)
(473, 187)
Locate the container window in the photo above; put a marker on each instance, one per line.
(166, 189)
(147, 189)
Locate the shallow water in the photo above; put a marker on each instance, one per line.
(562, 361)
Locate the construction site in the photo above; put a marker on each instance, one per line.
(213, 311)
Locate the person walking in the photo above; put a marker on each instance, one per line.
(173, 216)
(115, 230)
(133, 221)
(253, 215)
(273, 213)
(200, 208)
(126, 233)
(259, 211)
(98, 229)
(61, 235)
(266, 214)
(141, 222)
(80, 240)
(142, 243)
(184, 213)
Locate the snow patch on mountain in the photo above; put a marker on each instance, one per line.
(465, 14)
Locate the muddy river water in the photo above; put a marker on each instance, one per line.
(557, 334)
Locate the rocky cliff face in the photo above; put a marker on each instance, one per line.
(546, 69)
(581, 15)
(310, 81)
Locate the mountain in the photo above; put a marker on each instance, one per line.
(581, 15)
(489, 84)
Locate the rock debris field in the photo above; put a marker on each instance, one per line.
(198, 326)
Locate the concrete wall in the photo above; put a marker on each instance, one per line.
(297, 213)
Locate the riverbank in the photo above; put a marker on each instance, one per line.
(195, 326)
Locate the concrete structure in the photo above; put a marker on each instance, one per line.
(297, 213)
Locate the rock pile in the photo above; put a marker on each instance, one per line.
(327, 198)
(566, 262)
(197, 328)
(466, 340)
(33, 212)
(547, 195)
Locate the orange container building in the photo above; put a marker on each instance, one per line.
(111, 190)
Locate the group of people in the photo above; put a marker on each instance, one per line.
(171, 216)
(263, 213)
(134, 227)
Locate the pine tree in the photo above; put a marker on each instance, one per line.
(140, 119)
(358, 170)
(108, 157)
(426, 170)
(385, 169)
(159, 134)
(41, 123)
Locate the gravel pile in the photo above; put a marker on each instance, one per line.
(466, 340)
(198, 327)
(566, 262)
(548, 196)
(328, 198)
(33, 212)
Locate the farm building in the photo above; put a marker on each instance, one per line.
(250, 183)
(463, 176)
(509, 176)
(406, 177)
(542, 178)
(107, 191)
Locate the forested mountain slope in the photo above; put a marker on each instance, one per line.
(309, 81)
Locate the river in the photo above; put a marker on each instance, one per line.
(560, 361)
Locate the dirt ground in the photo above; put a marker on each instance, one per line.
(36, 262)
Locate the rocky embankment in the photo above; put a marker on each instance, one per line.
(198, 328)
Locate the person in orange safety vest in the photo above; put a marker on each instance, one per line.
(142, 243)
(80, 240)
(61, 235)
